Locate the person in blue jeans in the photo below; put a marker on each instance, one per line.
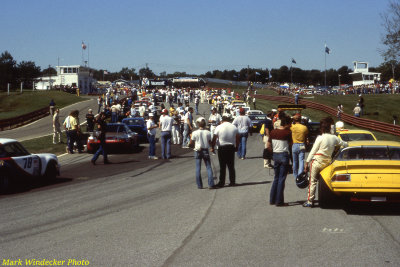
(279, 142)
(243, 124)
(300, 139)
(102, 127)
(201, 141)
(165, 126)
(151, 136)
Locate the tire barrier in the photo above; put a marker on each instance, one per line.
(11, 123)
(356, 121)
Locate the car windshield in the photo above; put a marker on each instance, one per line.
(257, 117)
(370, 153)
(134, 122)
(14, 149)
(115, 128)
(356, 137)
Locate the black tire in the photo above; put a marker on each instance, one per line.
(51, 171)
(4, 183)
(326, 198)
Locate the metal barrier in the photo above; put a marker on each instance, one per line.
(24, 119)
(356, 121)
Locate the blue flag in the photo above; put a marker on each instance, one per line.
(327, 50)
(257, 73)
(294, 61)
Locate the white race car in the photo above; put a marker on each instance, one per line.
(17, 163)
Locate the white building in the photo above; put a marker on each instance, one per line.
(72, 76)
(362, 76)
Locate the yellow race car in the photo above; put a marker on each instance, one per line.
(355, 135)
(363, 171)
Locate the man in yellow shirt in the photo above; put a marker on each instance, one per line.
(300, 139)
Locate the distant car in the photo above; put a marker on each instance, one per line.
(363, 171)
(137, 125)
(355, 135)
(17, 163)
(257, 121)
(255, 112)
(118, 137)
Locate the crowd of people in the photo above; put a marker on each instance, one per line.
(285, 137)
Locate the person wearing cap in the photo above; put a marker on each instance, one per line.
(151, 136)
(300, 140)
(227, 137)
(243, 124)
(90, 120)
(176, 128)
(214, 120)
(165, 126)
(187, 127)
(201, 141)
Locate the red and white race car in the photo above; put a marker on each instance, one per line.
(17, 163)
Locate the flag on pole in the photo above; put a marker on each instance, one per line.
(83, 45)
(257, 73)
(294, 61)
(105, 72)
(270, 76)
(327, 50)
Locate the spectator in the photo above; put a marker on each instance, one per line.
(357, 110)
(56, 126)
(151, 136)
(90, 120)
(339, 111)
(228, 141)
(165, 126)
(52, 107)
(243, 124)
(279, 142)
(300, 140)
(201, 141)
(102, 127)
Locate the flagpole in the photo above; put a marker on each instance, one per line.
(325, 63)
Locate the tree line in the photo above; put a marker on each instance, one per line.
(26, 71)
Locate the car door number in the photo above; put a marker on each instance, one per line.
(27, 163)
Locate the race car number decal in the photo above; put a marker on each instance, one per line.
(28, 163)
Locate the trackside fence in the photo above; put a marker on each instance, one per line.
(359, 122)
(11, 123)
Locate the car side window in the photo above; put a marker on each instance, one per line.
(394, 153)
(15, 150)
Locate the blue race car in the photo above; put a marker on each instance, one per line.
(137, 125)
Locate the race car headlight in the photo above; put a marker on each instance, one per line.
(341, 177)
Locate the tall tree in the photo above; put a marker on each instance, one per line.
(27, 71)
(391, 37)
(7, 70)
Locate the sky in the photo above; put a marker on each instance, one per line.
(193, 36)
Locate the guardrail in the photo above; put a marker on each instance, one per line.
(24, 119)
(356, 121)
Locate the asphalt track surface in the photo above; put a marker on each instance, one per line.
(140, 212)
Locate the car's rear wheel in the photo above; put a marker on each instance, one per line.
(51, 171)
(4, 183)
(326, 198)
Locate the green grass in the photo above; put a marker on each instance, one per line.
(45, 145)
(17, 104)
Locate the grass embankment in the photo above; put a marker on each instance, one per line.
(17, 104)
(45, 145)
(377, 107)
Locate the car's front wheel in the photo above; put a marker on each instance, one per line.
(51, 171)
(4, 183)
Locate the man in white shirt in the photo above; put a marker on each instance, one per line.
(187, 127)
(151, 136)
(165, 126)
(228, 140)
(243, 124)
(214, 120)
(142, 110)
(201, 141)
(320, 156)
